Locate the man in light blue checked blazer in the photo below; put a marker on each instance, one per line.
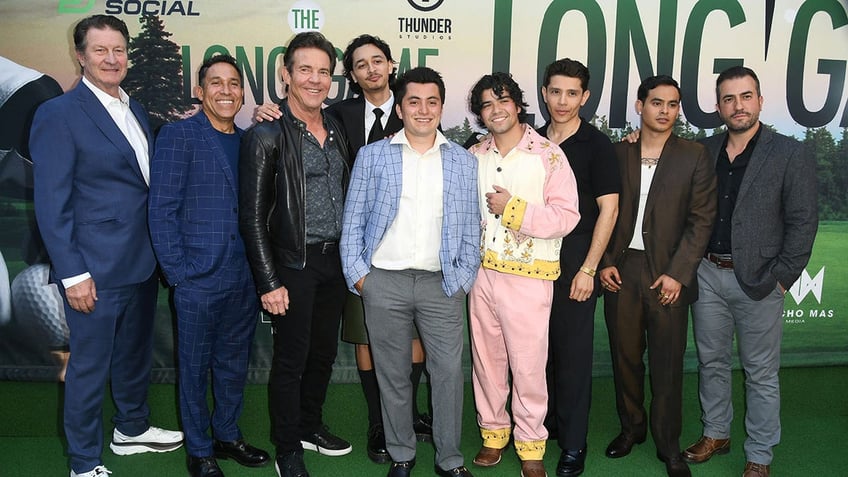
(411, 248)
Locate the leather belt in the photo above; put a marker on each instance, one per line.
(721, 261)
(323, 248)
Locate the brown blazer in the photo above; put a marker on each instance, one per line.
(679, 212)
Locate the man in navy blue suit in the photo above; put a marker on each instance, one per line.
(194, 224)
(91, 153)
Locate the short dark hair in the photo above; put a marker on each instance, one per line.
(501, 85)
(735, 72)
(652, 82)
(99, 22)
(347, 58)
(570, 68)
(421, 75)
(212, 60)
(309, 39)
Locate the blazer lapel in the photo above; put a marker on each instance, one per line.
(354, 121)
(394, 123)
(665, 167)
(217, 152)
(394, 169)
(633, 179)
(92, 107)
(141, 116)
(758, 159)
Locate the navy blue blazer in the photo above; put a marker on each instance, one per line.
(90, 195)
(194, 206)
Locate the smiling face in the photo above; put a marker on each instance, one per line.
(371, 69)
(309, 79)
(660, 109)
(564, 97)
(499, 115)
(739, 104)
(420, 110)
(221, 94)
(104, 59)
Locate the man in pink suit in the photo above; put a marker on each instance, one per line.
(531, 203)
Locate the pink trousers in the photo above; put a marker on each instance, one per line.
(509, 317)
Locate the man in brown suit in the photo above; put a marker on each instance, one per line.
(666, 212)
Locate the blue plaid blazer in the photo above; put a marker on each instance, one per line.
(372, 204)
(193, 206)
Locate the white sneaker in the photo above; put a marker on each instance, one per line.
(99, 471)
(153, 439)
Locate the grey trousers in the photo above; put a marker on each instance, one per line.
(721, 309)
(395, 302)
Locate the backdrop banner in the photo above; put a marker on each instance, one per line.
(798, 48)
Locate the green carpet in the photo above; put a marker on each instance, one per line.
(814, 416)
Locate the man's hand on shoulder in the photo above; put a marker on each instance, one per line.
(631, 137)
(267, 112)
(81, 297)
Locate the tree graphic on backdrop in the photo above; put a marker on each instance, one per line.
(155, 78)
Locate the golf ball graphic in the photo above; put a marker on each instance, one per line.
(5, 296)
(37, 305)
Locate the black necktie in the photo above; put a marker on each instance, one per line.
(377, 128)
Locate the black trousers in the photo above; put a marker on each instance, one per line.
(305, 344)
(569, 370)
(636, 321)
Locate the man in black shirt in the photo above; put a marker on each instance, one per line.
(593, 161)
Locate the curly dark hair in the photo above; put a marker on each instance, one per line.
(501, 85)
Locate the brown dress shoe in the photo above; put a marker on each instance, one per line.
(533, 468)
(756, 470)
(705, 448)
(488, 456)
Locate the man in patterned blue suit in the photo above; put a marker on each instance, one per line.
(411, 247)
(193, 215)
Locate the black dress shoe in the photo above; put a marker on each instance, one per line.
(571, 463)
(675, 466)
(204, 467)
(377, 445)
(401, 469)
(290, 464)
(460, 471)
(241, 452)
(423, 426)
(622, 445)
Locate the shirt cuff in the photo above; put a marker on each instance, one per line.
(71, 281)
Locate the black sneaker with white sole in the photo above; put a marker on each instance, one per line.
(324, 442)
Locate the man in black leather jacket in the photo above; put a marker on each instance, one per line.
(292, 178)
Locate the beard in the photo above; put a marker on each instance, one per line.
(742, 124)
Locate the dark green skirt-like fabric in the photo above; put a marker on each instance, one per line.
(353, 321)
